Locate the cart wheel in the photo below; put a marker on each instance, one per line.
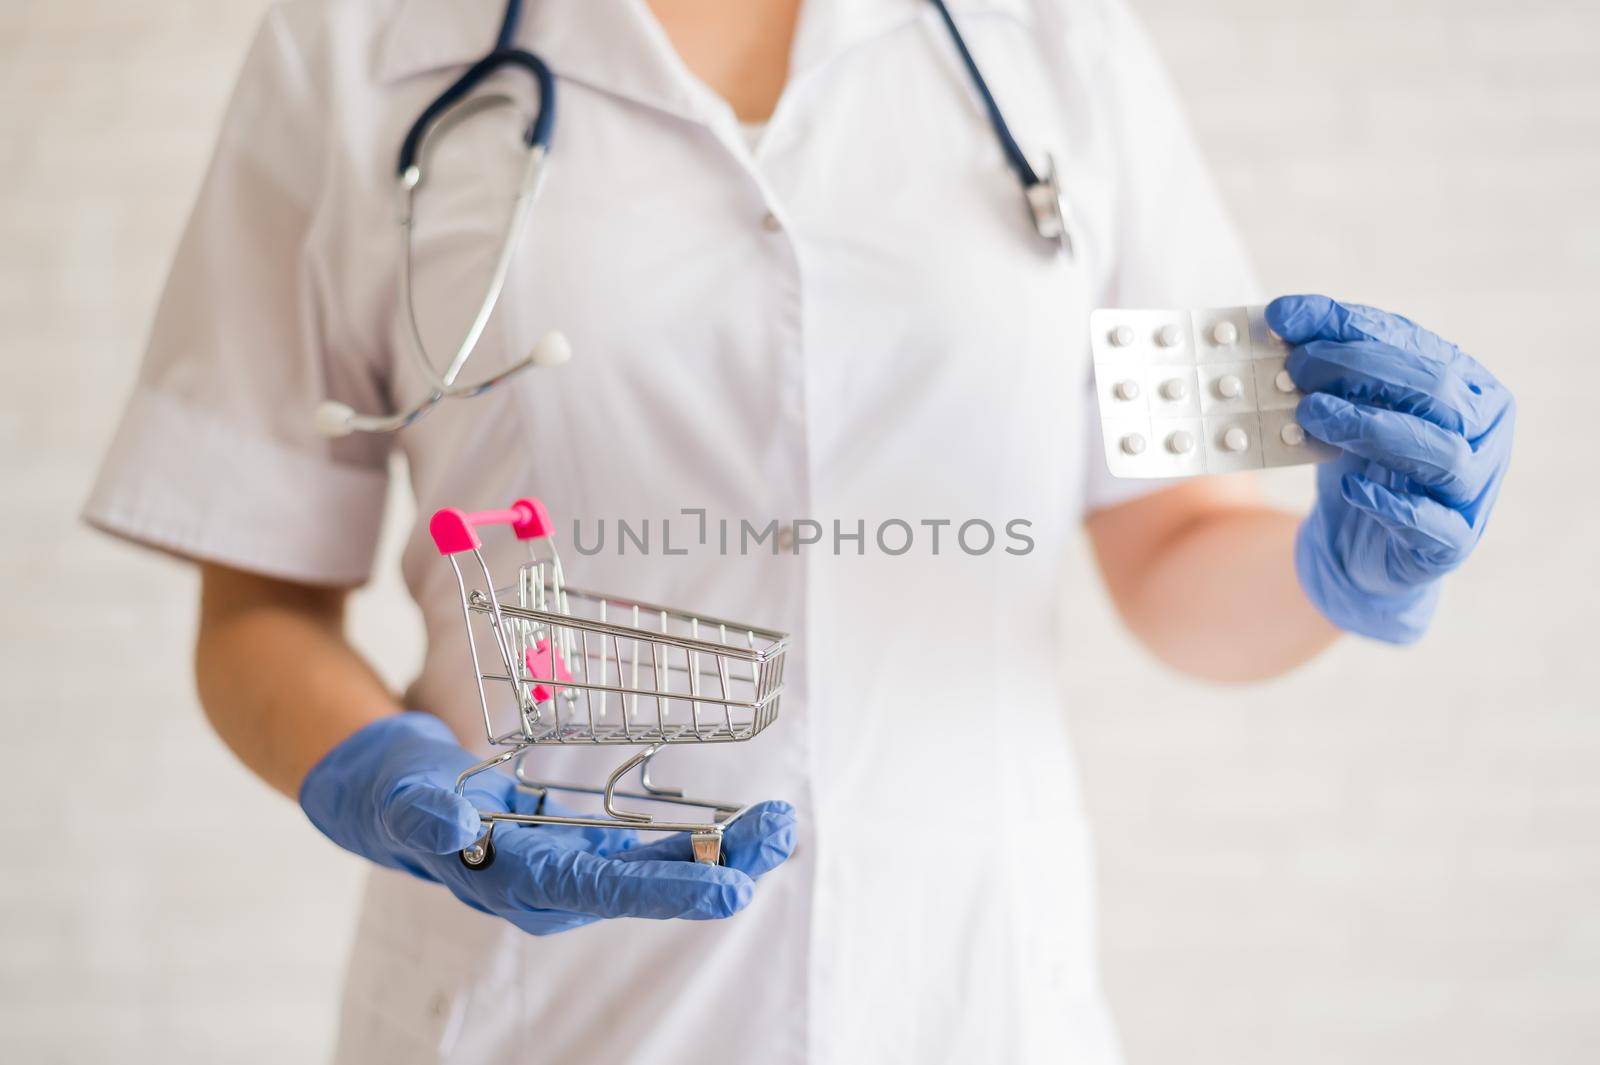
(480, 855)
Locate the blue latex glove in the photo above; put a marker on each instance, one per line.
(387, 793)
(1426, 435)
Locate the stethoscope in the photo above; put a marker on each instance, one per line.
(1042, 193)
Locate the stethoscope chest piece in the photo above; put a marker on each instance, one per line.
(1048, 209)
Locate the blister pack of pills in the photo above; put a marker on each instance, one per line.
(1184, 393)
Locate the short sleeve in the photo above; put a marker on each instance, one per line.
(1173, 242)
(217, 456)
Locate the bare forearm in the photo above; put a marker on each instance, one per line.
(279, 683)
(1204, 576)
(1221, 600)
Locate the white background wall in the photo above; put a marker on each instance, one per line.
(1388, 857)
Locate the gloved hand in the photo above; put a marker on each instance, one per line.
(1426, 434)
(387, 793)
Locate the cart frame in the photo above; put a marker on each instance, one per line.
(552, 636)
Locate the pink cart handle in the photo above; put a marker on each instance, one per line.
(453, 530)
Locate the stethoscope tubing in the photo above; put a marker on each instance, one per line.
(453, 104)
(997, 120)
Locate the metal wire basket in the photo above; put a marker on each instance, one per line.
(578, 667)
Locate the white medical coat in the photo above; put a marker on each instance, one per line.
(853, 322)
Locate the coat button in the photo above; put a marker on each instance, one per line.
(770, 222)
(786, 538)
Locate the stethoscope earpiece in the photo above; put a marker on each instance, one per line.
(335, 419)
(553, 349)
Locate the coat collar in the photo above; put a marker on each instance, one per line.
(618, 47)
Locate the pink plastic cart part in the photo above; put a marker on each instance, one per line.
(542, 661)
(454, 530)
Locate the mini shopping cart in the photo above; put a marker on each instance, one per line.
(574, 667)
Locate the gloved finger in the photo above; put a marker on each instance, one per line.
(1368, 371)
(755, 844)
(423, 816)
(1427, 455)
(1420, 524)
(594, 838)
(493, 790)
(469, 890)
(538, 876)
(1463, 384)
(549, 922)
(1301, 319)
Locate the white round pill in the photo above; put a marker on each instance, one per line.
(1127, 390)
(1235, 439)
(1122, 336)
(1283, 382)
(1229, 386)
(1133, 444)
(1169, 336)
(1292, 434)
(1224, 333)
(1174, 389)
(1180, 443)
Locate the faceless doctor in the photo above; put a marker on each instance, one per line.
(784, 244)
